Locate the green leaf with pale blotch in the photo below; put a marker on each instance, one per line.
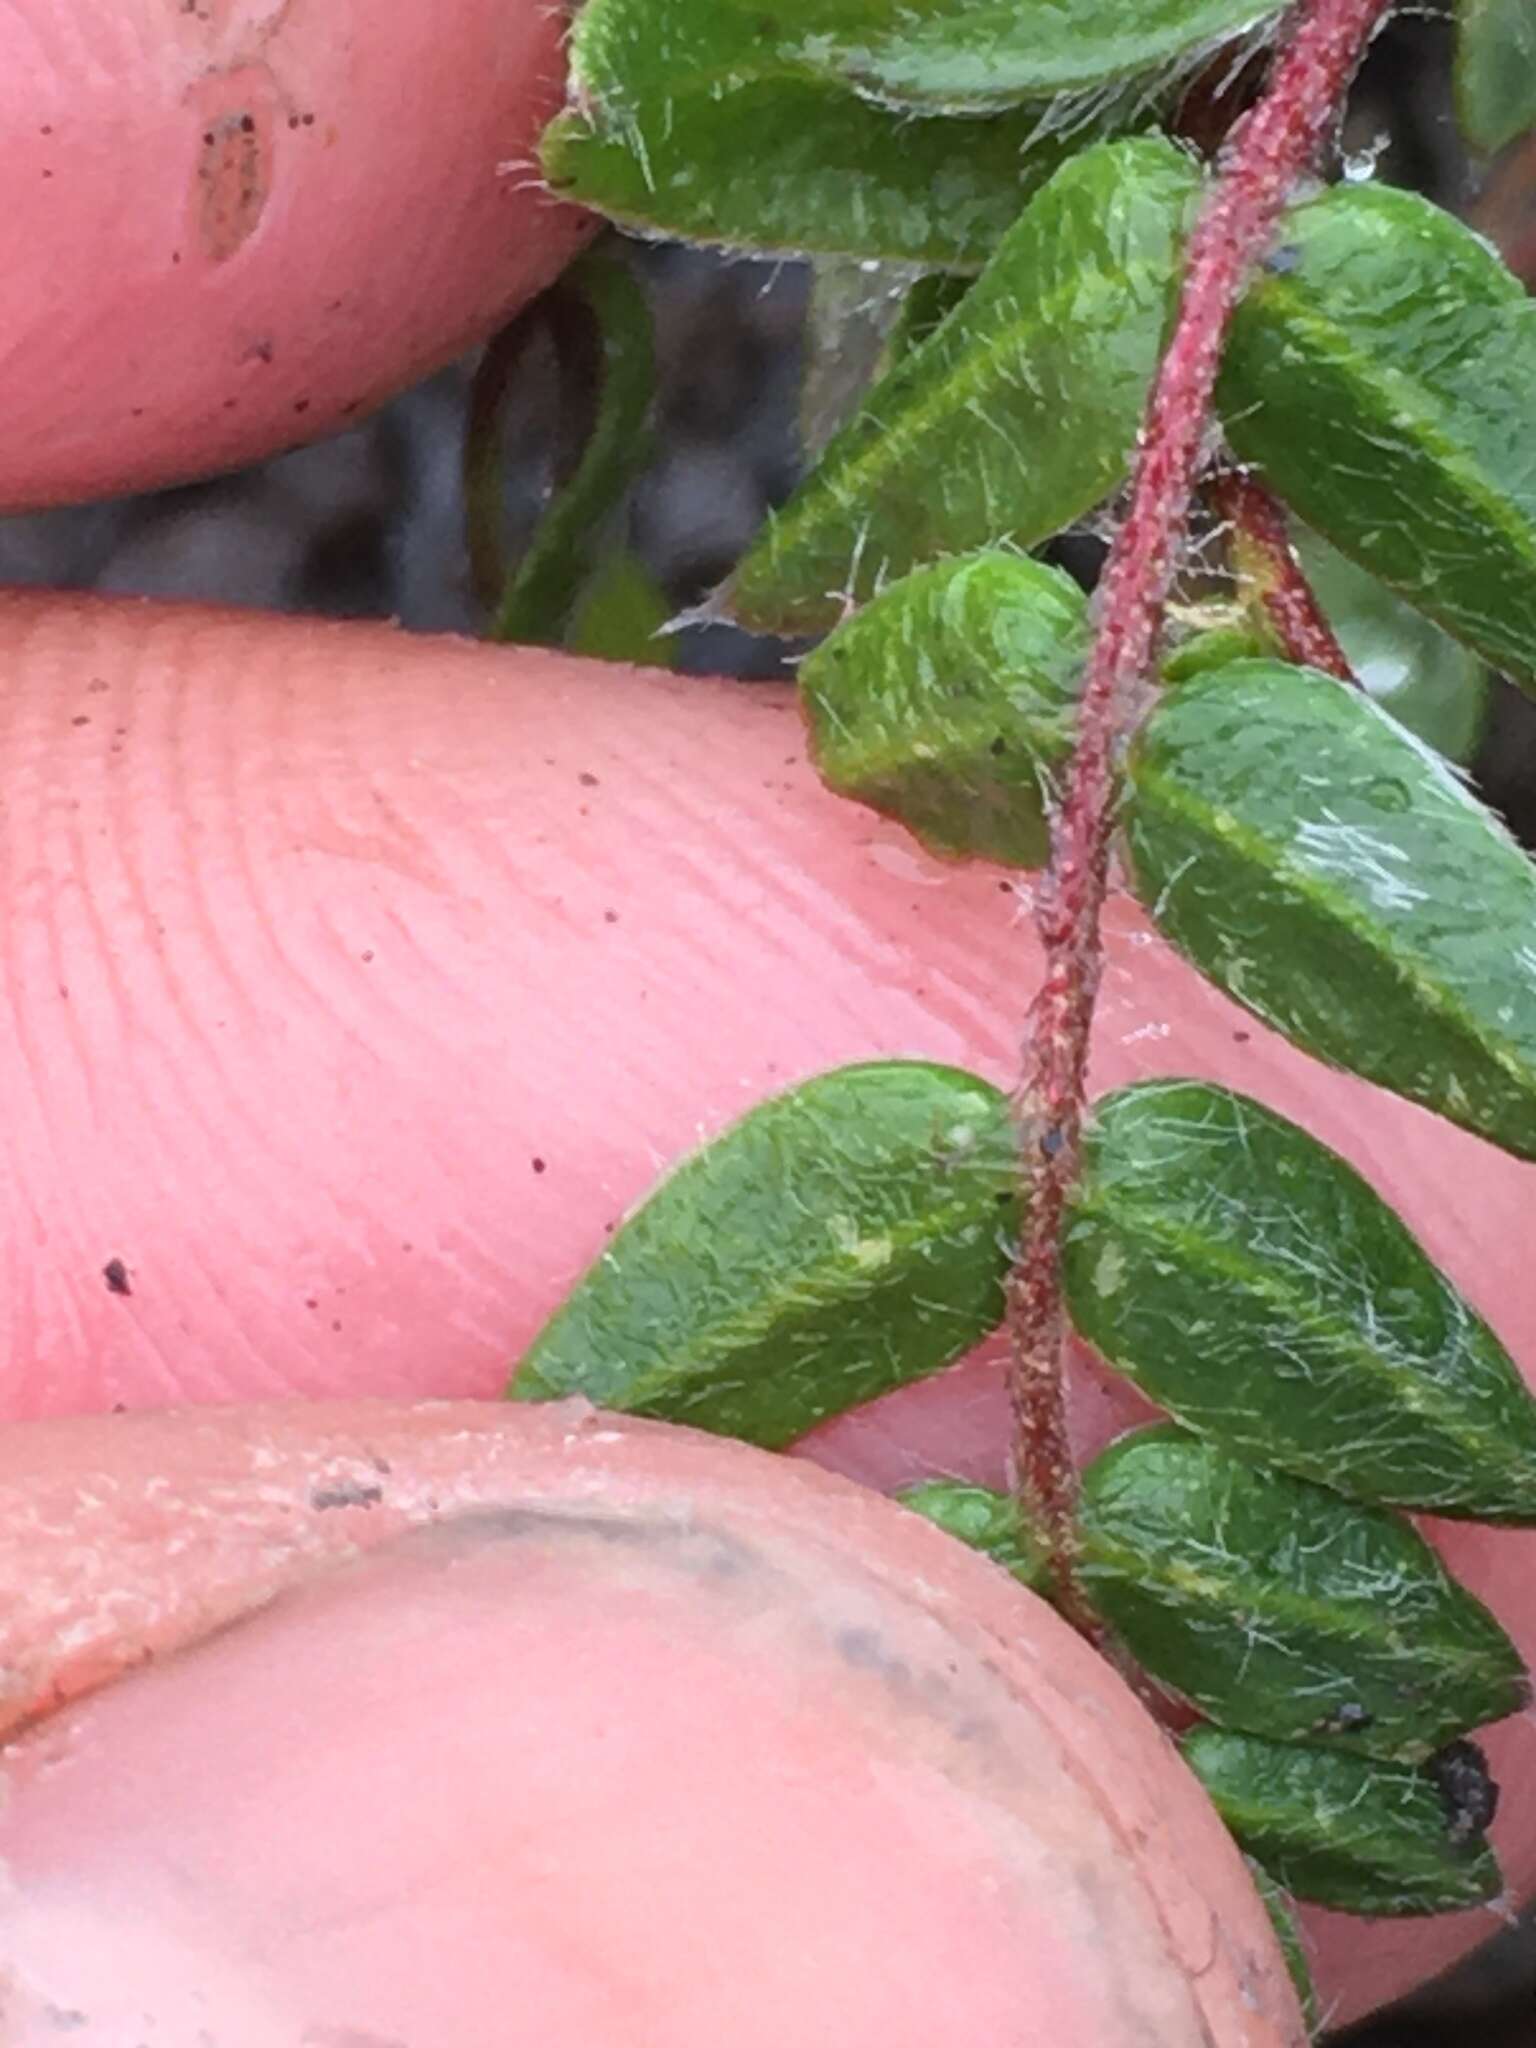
(1495, 70)
(950, 700)
(990, 1522)
(1343, 1831)
(1428, 681)
(1382, 372)
(664, 93)
(973, 55)
(1015, 417)
(1329, 871)
(1279, 1608)
(840, 1240)
(1251, 1283)
(1281, 1908)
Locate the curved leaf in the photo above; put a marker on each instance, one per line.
(664, 95)
(990, 1522)
(972, 55)
(1326, 869)
(1281, 1908)
(1350, 1832)
(1280, 1609)
(1495, 70)
(840, 1240)
(1384, 377)
(1251, 1283)
(1428, 681)
(949, 702)
(1015, 417)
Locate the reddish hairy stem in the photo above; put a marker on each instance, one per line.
(1267, 569)
(1267, 151)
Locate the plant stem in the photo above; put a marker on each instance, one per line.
(1267, 151)
(1269, 573)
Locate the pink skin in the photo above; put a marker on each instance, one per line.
(354, 984)
(182, 291)
(325, 940)
(757, 1757)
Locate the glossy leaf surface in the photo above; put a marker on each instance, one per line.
(1343, 1831)
(1281, 1609)
(841, 1239)
(1330, 872)
(664, 96)
(1383, 375)
(1251, 1283)
(1428, 681)
(949, 702)
(1495, 70)
(979, 54)
(987, 1521)
(1015, 417)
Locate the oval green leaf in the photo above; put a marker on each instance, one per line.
(663, 96)
(987, 1521)
(949, 702)
(1495, 70)
(1382, 372)
(1281, 1908)
(1428, 681)
(1281, 1609)
(1015, 417)
(1329, 871)
(975, 55)
(1343, 1831)
(840, 1240)
(1251, 1283)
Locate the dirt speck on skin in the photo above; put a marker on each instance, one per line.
(115, 1273)
(232, 182)
(345, 1493)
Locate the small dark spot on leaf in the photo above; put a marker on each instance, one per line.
(115, 1273)
(998, 746)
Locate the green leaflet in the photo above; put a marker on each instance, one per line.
(1283, 1610)
(1382, 372)
(987, 1521)
(1429, 682)
(949, 702)
(1325, 868)
(1280, 1907)
(1495, 70)
(1251, 1283)
(840, 1240)
(621, 614)
(665, 92)
(974, 55)
(1015, 417)
(1344, 1831)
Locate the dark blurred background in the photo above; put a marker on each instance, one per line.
(371, 525)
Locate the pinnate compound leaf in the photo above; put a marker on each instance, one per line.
(686, 121)
(949, 702)
(1329, 871)
(1344, 1831)
(973, 55)
(1428, 681)
(1281, 1609)
(1015, 417)
(1495, 70)
(841, 1239)
(1251, 1283)
(990, 1522)
(1383, 375)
